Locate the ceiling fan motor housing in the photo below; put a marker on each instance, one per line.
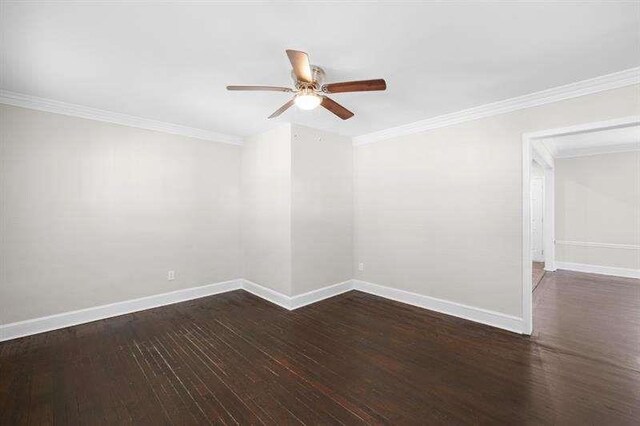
(317, 74)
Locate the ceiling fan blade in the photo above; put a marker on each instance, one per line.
(300, 63)
(355, 86)
(260, 88)
(282, 109)
(336, 108)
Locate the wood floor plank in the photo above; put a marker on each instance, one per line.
(352, 359)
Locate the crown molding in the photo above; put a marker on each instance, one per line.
(569, 91)
(74, 110)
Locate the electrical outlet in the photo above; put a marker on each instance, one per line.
(171, 275)
(360, 266)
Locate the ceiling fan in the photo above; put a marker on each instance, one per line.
(310, 89)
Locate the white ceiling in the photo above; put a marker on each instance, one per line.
(591, 143)
(171, 62)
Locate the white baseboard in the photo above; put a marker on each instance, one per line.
(597, 269)
(295, 302)
(67, 319)
(320, 294)
(267, 294)
(483, 316)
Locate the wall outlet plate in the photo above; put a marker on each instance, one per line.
(171, 275)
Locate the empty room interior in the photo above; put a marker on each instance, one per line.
(320, 212)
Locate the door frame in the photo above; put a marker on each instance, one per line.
(531, 151)
(544, 201)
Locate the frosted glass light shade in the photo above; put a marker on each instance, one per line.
(307, 101)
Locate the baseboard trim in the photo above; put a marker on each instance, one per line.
(483, 316)
(323, 293)
(294, 302)
(267, 294)
(597, 269)
(68, 319)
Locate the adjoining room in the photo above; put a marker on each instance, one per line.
(319, 213)
(585, 286)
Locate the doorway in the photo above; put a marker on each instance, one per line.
(534, 151)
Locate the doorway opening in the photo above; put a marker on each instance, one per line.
(538, 179)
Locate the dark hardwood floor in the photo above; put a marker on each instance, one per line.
(352, 359)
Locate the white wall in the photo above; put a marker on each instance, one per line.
(95, 213)
(266, 209)
(322, 209)
(297, 190)
(440, 213)
(598, 201)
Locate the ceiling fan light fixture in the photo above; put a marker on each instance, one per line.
(307, 100)
(309, 90)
